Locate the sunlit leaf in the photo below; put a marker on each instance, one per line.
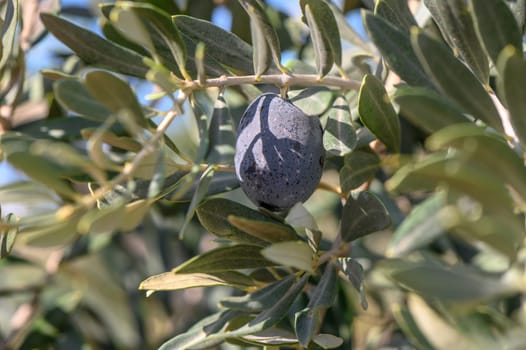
(362, 216)
(426, 109)
(261, 299)
(353, 272)
(457, 82)
(395, 46)
(328, 341)
(264, 38)
(359, 166)
(115, 94)
(456, 25)
(512, 69)
(75, 96)
(496, 26)
(238, 56)
(267, 231)
(8, 236)
(173, 281)
(339, 136)
(295, 254)
(377, 113)
(236, 257)
(397, 12)
(313, 101)
(221, 134)
(94, 49)
(8, 30)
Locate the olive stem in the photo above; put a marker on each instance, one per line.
(277, 79)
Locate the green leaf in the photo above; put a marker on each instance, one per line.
(73, 95)
(199, 194)
(459, 174)
(455, 23)
(8, 31)
(512, 69)
(426, 109)
(267, 231)
(313, 101)
(162, 25)
(221, 134)
(239, 55)
(8, 236)
(61, 128)
(486, 149)
(105, 220)
(377, 113)
(295, 254)
(236, 257)
(40, 170)
(93, 49)
(353, 272)
(397, 12)
(496, 26)
(213, 215)
(115, 94)
(346, 30)
(359, 166)
(339, 136)
(328, 341)
(130, 25)
(173, 281)
(458, 283)
(396, 49)
(424, 224)
(325, 35)
(362, 216)
(50, 234)
(261, 299)
(269, 317)
(457, 82)
(307, 320)
(407, 324)
(264, 38)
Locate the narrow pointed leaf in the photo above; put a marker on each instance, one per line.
(274, 314)
(115, 94)
(93, 49)
(236, 257)
(354, 273)
(199, 195)
(377, 113)
(339, 136)
(264, 38)
(267, 231)
(426, 109)
(457, 82)
(486, 149)
(172, 281)
(8, 30)
(130, 26)
(306, 323)
(397, 12)
(238, 56)
(322, 52)
(362, 216)
(496, 26)
(261, 299)
(359, 166)
(324, 33)
(457, 27)
(425, 223)
(8, 236)
(295, 254)
(213, 215)
(396, 49)
(221, 134)
(75, 96)
(512, 69)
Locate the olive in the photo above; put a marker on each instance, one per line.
(279, 153)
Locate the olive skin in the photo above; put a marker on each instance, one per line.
(279, 153)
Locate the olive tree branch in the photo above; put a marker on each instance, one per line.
(276, 79)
